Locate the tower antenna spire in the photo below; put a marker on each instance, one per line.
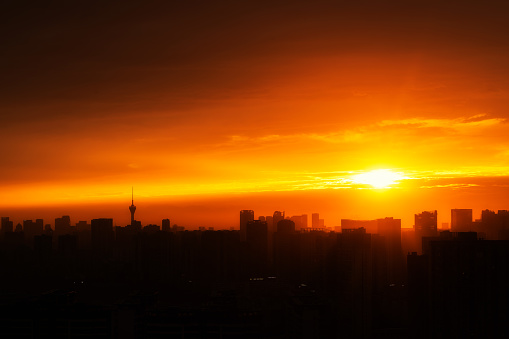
(132, 208)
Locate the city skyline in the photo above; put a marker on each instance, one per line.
(209, 217)
(423, 220)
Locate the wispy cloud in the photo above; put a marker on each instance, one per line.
(375, 131)
(479, 120)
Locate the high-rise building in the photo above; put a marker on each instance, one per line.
(102, 235)
(7, 225)
(493, 226)
(82, 226)
(304, 220)
(277, 217)
(426, 224)
(285, 226)
(315, 220)
(132, 208)
(245, 217)
(371, 226)
(257, 243)
(63, 225)
(270, 222)
(166, 225)
(31, 229)
(461, 220)
(390, 229)
(297, 221)
(301, 221)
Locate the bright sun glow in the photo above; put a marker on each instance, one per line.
(382, 178)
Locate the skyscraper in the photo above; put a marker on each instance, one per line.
(102, 235)
(7, 225)
(315, 220)
(166, 225)
(257, 246)
(245, 217)
(426, 224)
(390, 229)
(276, 217)
(285, 226)
(461, 219)
(132, 208)
(63, 225)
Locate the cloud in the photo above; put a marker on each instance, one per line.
(384, 129)
(479, 120)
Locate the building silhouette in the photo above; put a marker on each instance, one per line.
(102, 235)
(371, 226)
(132, 208)
(425, 226)
(6, 225)
(315, 220)
(257, 246)
(63, 225)
(458, 287)
(461, 220)
(390, 230)
(301, 221)
(31, 229)
(245, 217)
(276, 217)
(165, 225)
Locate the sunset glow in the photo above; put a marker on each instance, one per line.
(226, 101)
(381, 178)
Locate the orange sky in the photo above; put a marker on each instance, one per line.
(211, 108)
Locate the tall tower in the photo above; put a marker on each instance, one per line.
(132, 208)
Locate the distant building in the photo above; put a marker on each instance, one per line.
(82, 226)
(7, 225)
(257, 246)
(426, 224)
(245, 217)
(166, 225)
(301, 221)
(315, 220)
(494, 226)
(270, 222)
(102, 235)
(31, 229)
(390, 229)
(371, 226)
(276, 217)
(461, 220)
(151, 228)
(63, 225)
(285, 226)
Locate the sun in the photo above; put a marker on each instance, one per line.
(381, 178)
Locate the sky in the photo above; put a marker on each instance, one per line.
(209, 107)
